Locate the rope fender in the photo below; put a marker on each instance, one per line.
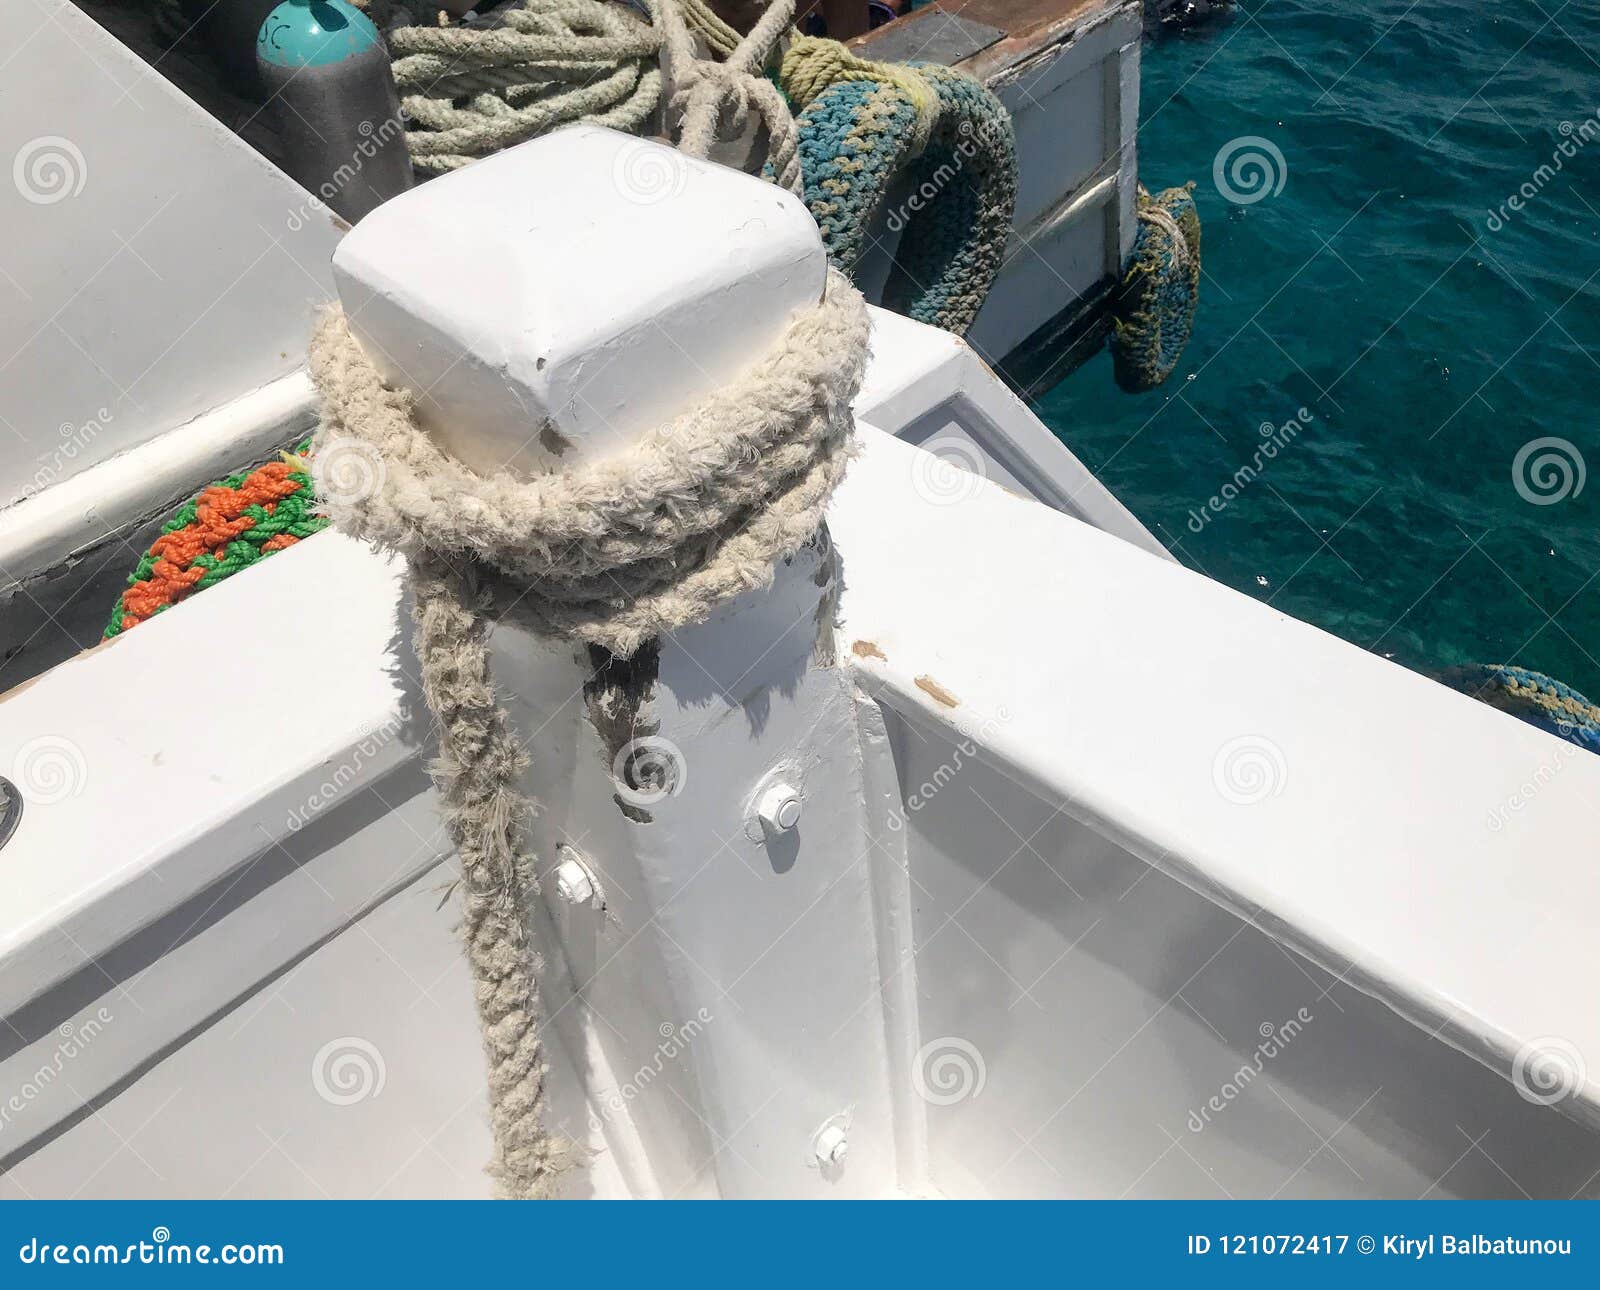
(1154, 306)
(862, 126)
(231, 525)
(1540, 700)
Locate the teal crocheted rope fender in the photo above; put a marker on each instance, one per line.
(1538, 699)
(1154, 307)
(953, 211)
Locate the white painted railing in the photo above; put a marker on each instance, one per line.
(1081, 732)
(1356, 808)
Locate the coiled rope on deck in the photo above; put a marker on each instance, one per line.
(468, 91)
(610, 554)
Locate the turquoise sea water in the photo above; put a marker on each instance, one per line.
(1389, 287)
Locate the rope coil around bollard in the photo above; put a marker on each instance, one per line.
(611, 554)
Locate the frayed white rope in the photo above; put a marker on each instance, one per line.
(612, 553)
(471, 89)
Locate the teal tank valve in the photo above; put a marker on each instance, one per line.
(326, 71)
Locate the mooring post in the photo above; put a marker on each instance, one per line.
(703, 844)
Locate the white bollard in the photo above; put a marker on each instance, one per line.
(552, 301)
(721, 992)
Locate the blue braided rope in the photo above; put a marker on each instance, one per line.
(1538, 699)
(958, 197)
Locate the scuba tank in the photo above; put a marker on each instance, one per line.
(326, 72)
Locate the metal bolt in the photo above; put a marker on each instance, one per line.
(831, 1145)
(574, 883)
(779, 808)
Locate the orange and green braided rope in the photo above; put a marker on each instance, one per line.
(229, 526)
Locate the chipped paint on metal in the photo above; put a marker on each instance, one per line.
(937, 692)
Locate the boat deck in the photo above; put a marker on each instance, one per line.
(1026, 27)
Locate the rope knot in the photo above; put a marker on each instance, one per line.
(708, 89)
(714, 90)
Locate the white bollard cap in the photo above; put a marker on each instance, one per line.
(551, 302)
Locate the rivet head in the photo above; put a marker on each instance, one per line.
(831, 1145)
(779, 808)
(573, 883)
